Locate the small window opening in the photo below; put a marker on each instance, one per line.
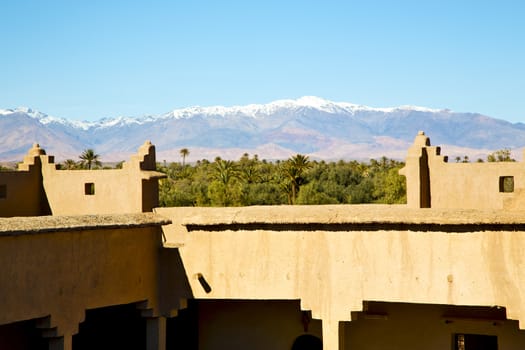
(89, 188)
(506, 184)
(3, 191)
(475, 342)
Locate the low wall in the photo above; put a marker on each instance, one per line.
(475, 185)
(55, 268)
(39, 188)
(433, 182)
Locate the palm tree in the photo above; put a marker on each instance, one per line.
(184, 152)
(294, 169)
(69, 164)
(225, 171)
(249, 169)
(89, 157)
(250, 174)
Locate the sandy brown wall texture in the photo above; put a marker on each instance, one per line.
(113, 191)
(59, 267)
(434, 182)
(21, 194)
(132, 189)
(246, 324)
(476, 185)
(39, 188)
(332, 258)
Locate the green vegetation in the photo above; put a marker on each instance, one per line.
(298, 180)
(502, 155)
(184, 153)
(70, 164)
(4, 168)
(88, 158)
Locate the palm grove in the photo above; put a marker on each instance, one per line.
(298, 180)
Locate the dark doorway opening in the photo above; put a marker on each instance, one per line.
(114, 327)
(22, 336)
(475, 342)
(253, 324)
(307, 342)
(182, 330)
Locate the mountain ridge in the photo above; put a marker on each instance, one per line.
(310, 125)
(253, 110)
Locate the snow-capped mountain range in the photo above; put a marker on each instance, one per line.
(309, 125)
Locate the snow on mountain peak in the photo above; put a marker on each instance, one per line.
(337, 107)
(313, 101)
(259, 110)
(30, 112)
(305, 101)
(6, 111)
(45, 118)
(251, 110)
(42, 117)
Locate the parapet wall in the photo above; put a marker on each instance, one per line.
(22, 192)
(433, 182)
(39, 188)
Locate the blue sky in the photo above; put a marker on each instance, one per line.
(105, 58)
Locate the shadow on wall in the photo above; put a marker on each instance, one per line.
(175, 287)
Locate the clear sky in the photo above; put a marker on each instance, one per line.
(89, 59)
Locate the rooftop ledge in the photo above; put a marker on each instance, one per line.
(42, 224)
(367, 214)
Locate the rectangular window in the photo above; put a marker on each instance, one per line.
(89, 188)
(3, 191)
(475, 342)
(506, 184)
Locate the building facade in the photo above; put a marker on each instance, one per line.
(433, 274)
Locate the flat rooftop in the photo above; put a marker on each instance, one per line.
(338, 214)
(280, 218)
(42, 224)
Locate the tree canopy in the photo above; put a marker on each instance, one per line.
(88, 158)
(184, 152)
(502, 155)
(298, 180)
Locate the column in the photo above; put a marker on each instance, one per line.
(61, 343)
(156, 333)
(330, 335)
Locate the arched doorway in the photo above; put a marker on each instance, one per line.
(307, 342)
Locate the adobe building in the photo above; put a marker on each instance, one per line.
(89, 261)
(432, 182)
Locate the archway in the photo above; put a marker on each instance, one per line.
(307, 342)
